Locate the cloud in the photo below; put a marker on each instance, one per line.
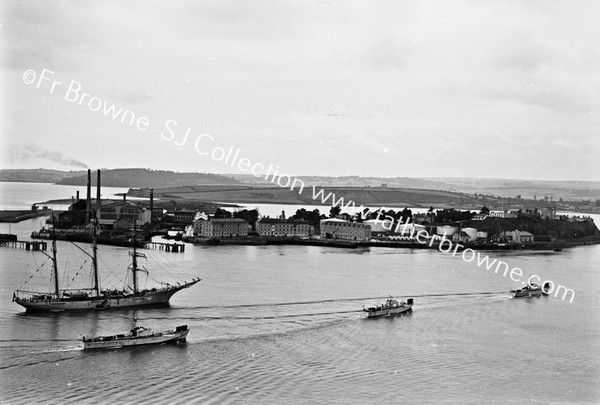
(26, 153)
(281, 78)
(44, 35)
(131, 96)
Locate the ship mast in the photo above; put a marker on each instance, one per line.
(95, 255)
(54, 266)
(134, 268)
(134, 263)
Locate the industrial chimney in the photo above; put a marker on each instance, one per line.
(151, 203)
(88, 206)
(98, 202)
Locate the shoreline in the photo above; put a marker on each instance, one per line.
(122, 241)
(14, 216)
(263, 241)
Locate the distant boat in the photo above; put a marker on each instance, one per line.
(137, 336)
(96, 298)
(531, 290)
(389, 308)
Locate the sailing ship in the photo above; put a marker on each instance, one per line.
(96, 298)
(137, 336)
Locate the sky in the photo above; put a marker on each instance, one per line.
(496, 89)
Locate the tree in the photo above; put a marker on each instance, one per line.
(313, 217)
(301, 214)
(485, 211)
(335, 211)
(221, 213)
(249, 216)
(406, 216)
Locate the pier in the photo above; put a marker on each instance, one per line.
(112, 241)
(24, 244)
(21, 215)
(167, 247)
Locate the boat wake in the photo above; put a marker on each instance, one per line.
(234, 317)
(259, 319)
(281, 304)
(228, 322)
(42, 356)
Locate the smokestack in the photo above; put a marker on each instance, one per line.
(98, 203)
(151, 203)
(88, 206)
(124, 197)
(77, 198)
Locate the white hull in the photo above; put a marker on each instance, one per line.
(136, 341)
(389, 312)
(99, 303)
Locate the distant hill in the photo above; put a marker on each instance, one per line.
(149, 178)
(354, 181)
(568, 190)
(368, 196)
(35, 175)
(145, 178)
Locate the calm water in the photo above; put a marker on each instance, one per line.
(282, 324)
(19, 196)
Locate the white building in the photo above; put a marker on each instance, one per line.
(517, 236)
(224, 227)
(471, 232)
(339, 229)
(377, 226)
(482, 235)
(502, 214)
(199, 220)
(282, 227)
(446, 230)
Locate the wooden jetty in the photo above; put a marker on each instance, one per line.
(167, 247)
(24, 244)
(107, 240)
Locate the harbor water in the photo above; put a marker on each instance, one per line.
(283, 324)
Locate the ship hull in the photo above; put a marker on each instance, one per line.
(389, 312)
(527, 294)
(147, 298)
(531, 291)
(136, 341)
